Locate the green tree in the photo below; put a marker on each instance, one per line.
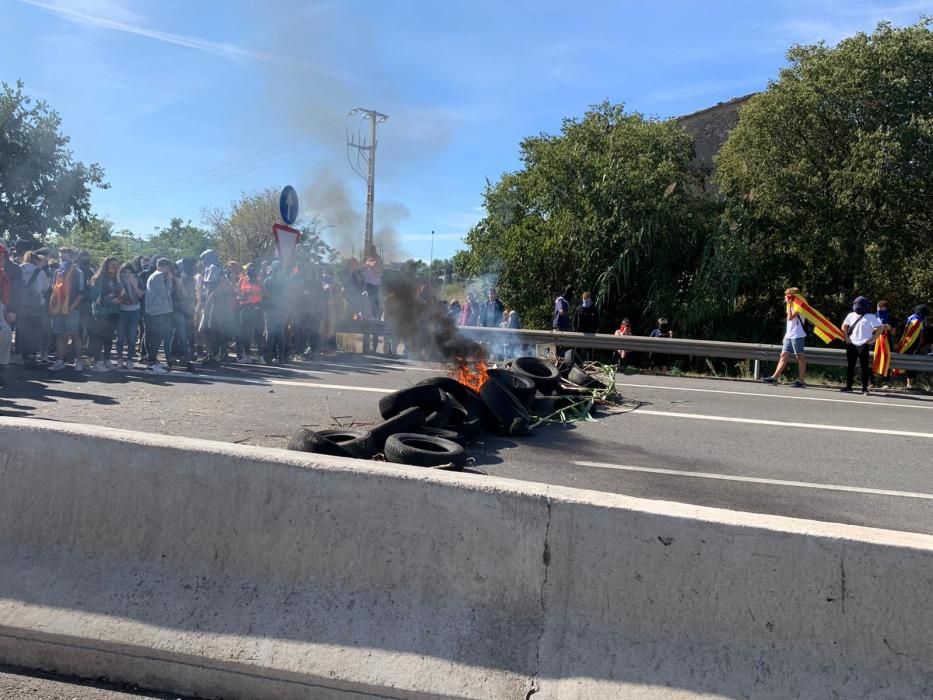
(609, 205)
(42, 188)
(96, 235)
(831, 172)
(179, 240)
(244, 231)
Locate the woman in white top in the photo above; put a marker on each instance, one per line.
(861, 328)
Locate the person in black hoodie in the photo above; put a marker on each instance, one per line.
(586, 315)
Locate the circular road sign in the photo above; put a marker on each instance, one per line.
(288, 205)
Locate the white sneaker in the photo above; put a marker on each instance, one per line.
(57, 366)
(99, 366)
(157, 369)
(79, 366)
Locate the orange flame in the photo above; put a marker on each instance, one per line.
(472, 374)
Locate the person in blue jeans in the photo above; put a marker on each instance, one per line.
(128, 323)
(159, 315)
(794, 337)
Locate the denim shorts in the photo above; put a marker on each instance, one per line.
(68, 324)
(794, 345)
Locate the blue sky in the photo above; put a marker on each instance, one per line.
(188, 103)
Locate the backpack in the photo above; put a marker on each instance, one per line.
(31, 299)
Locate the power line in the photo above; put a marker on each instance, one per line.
(216, 176)
(248, 160)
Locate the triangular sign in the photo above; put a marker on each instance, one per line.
(286, 240)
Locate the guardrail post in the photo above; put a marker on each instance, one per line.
(756, 372)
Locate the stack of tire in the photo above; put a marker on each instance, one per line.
(429, 424)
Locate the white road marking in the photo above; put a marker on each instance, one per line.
(315, 385)
(756, 480)
(864, 402)
(778, 423)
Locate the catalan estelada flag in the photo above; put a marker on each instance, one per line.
(824, 329)
(882, 362)
(910, 337)
(911, 333)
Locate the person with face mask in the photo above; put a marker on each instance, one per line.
(861, 328)
(586, 315)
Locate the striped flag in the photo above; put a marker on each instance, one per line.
(882, 361)
(824, 329)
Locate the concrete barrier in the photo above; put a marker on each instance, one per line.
(222, 570)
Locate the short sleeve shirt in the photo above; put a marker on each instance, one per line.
(861, 327)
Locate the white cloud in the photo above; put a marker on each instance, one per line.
(112, 15)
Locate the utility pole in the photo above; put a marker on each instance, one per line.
(366, 154)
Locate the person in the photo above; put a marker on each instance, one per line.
(106, 293)
(490, 313)
(275, 299)
(64, 309)
(184, 294)
(795, 336)
(561, 320)
(85, 311)
(250, 301)
(469, 313)
(159, 315)
(10, 288)
(912, 339)
(329, 320)
(625, 328)
(31, 316)
(128, 321)
(372, 279)
(586, 315)
(861, 328)
(455, 310)
(217, 296)
(182, 314)
(662, 331)
(883, 312)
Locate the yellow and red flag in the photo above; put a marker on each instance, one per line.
(824, 329)
(911, 333)
(882, 361)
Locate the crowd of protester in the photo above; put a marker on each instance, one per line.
(151, 311)
(159, 313)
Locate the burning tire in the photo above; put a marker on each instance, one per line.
(520, 385)
(423, 451)
(408, 421)
(427, 397)
(338, 443)
(545, 376)
(510, 416)
(467, 397)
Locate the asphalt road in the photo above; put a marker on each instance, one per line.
(810, 453)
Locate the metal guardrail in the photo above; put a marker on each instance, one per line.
(637, 343)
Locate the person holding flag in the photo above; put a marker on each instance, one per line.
(911, 341)
(861, 327)
(794, 338)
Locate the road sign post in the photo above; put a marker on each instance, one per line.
(286, 240)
